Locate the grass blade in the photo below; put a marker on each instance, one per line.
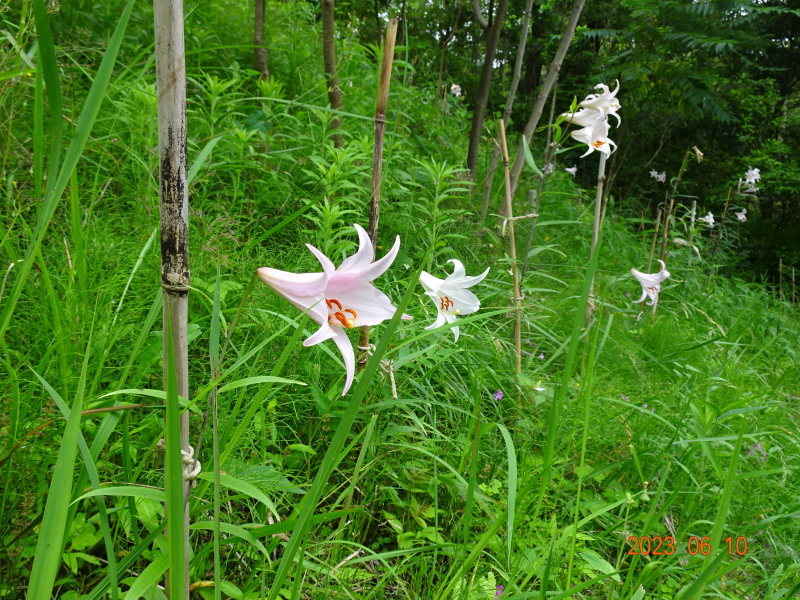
(52, 196)
(47, 557)
(332, 454)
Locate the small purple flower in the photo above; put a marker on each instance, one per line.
(644, 405)
(626, 398)
(627, 294)
(498, 395)
(541, 356)
(499, 591)
(758, 448)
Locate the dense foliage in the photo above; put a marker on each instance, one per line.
(682, 425)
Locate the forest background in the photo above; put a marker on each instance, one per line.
(463, 479)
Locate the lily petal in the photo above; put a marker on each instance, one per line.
(363, 257)
(348, 356)
(379, 267)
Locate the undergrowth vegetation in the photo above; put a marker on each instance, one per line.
(680, 425)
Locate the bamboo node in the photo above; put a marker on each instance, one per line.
(177, 289)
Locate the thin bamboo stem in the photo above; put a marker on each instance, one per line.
(377, 158)
(512, 248)
(174, 212)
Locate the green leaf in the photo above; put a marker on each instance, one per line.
(256, 380)
(137, 491)
(234, 530)
(248, 489)
(598, 563)
(529, 157)
(148, 578)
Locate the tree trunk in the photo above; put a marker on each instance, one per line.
(512, 92)
(482, 93)
(329, 58)
(261, 53)
(549, 82)
(171, 90)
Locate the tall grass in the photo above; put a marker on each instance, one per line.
(444, 492)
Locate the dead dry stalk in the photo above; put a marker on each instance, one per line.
(377, 159)
(512, 248)
(174, 211)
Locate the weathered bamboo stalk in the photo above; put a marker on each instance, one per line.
(174, 211)
(377, 158)
(329, 60)
(512, 248)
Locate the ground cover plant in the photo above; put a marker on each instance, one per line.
(596, 395)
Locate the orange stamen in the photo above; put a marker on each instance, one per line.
(333, 301)
(598, 143)
(445, 303)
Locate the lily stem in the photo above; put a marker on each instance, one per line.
(512, 249)
(598, 217)
(655, 239)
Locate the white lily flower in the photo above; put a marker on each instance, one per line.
(451, 295)
(605, 102)
(661, 177)
(455, 89)
(708, 219)
(651, 284)
(742, 215)
(571, 170)
(339, 299)
(653, 173)
(594, 130)
(752, 176)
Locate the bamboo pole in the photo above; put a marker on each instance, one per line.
(174, 213)
(377, 158)
(512, 248)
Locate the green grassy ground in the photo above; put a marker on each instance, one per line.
(684, 425)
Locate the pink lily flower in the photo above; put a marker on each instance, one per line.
(339, 299)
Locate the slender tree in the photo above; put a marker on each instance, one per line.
(544, 92)
(171, 89)
(485, 83)
(443, 44)
(512, 93)
(261, 53)
(329, 59)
